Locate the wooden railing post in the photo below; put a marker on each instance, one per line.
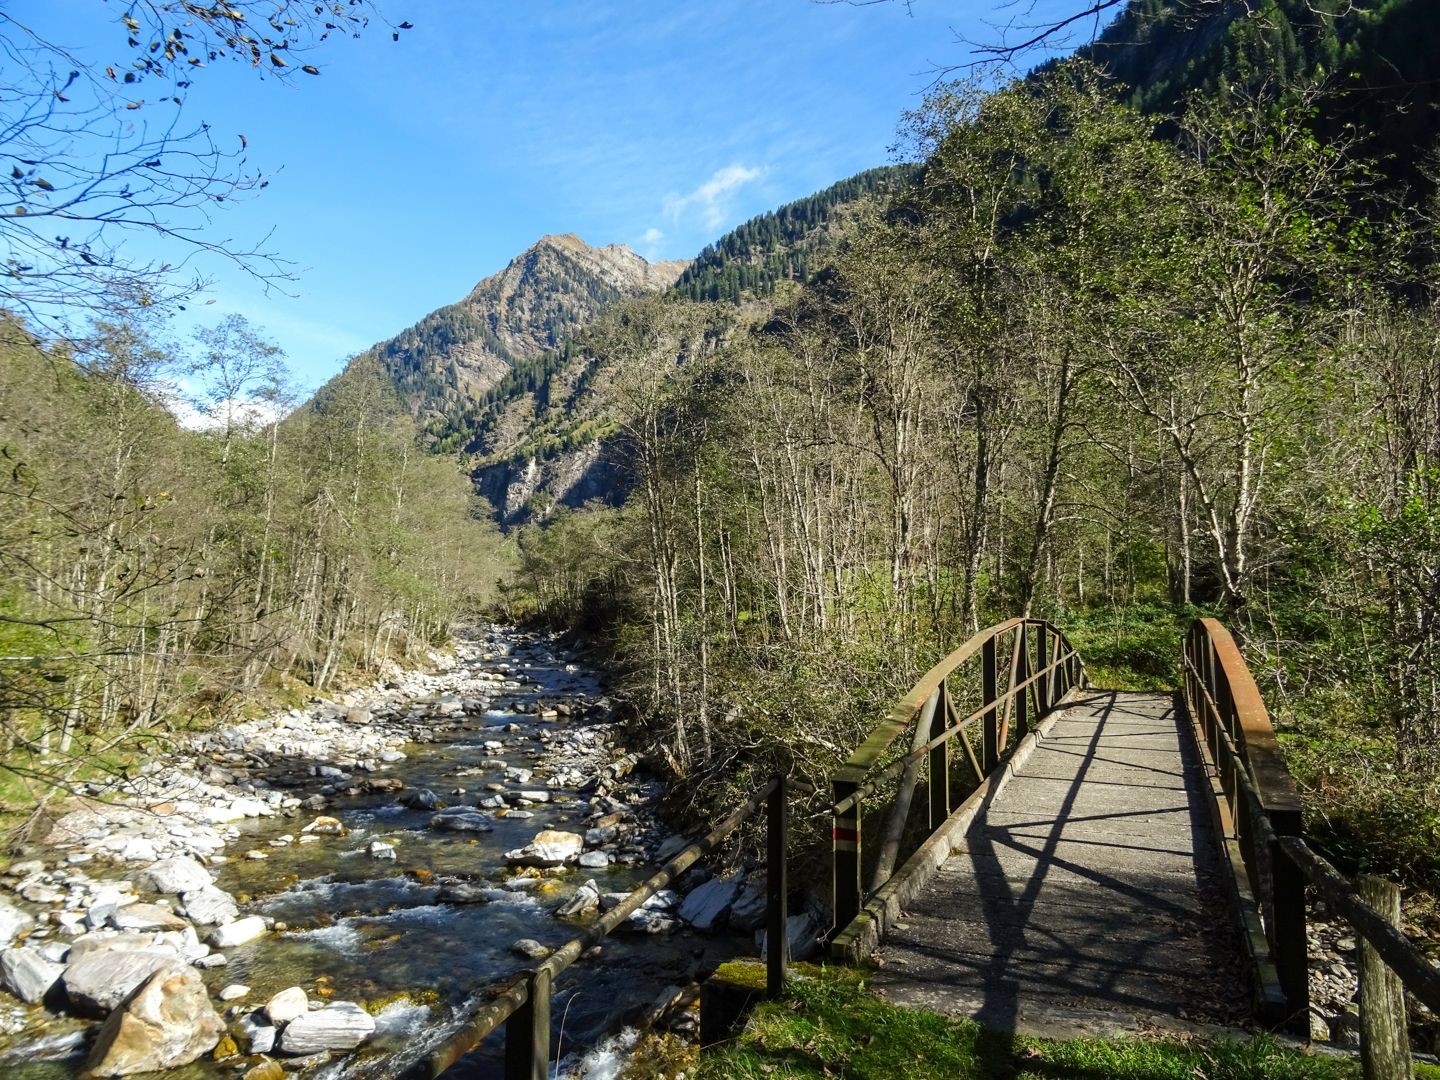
(940, 761)
(527, 1032)
(1060, 683)
(777, 953)
(1286, 916)
(1041, 664)
(1384, 1037)
(1022, 672)
(845, 850)
(990, 724)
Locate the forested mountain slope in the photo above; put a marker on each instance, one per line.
(786, 244)
(1377, 57)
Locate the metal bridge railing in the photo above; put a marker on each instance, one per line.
(1042, 668)
(1261, 812)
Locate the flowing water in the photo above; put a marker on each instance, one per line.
(359, 928)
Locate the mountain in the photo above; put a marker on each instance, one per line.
(1376, 58)
(538, 435)
(445, 364)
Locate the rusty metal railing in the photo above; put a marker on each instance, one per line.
(1042, 668)
(522, 1004)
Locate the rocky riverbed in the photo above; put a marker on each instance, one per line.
(324, 889)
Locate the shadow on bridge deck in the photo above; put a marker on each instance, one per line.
(1088, 896)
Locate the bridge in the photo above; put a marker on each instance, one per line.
(1013, 844)
(1096, 861)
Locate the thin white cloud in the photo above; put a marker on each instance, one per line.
(712, 199)
(649, 245)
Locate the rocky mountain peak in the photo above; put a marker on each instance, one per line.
(547, 292)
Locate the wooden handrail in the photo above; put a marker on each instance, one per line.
(522, 1003)
(1264, 806)
(1056, 668)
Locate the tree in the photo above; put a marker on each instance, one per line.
(1025, 30)
(98, 153)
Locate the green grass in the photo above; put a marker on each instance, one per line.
(831, 1026)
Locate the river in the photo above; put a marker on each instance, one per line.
(353, 923)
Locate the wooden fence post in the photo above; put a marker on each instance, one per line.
(990, 725)
(1384, 1038)
(1286, 916)
(527, 1032)
(777, 952)
(845, 852)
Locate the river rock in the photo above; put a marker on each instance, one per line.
(287, 1005)
(601, 834)
(238, 932)
(551, 847)
(707, 907)
(145, 917)
(168, 1022)
(651, 922)
(671, 847)
(378, 849)
(341, 1025)
(463, 892)
(234, 992)
(748, 911)
(210, 906)
(461, 819)
(421, 799)
(97, 982)
(585, 901)
(529, 948)
(177, 875)
(12, 922)
(260, 1034)
(28, 975)
(594, 860)
(802, 933)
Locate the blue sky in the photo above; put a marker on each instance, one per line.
(408, 171)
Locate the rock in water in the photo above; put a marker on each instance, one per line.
(145, 917)
(28, 975)
(342, 1025)
(287, 1005)
(706, 908)
(98, 982)
(585, 902)
(168, 1022)
(551, 847)
(238, 932)
(420, 799)
(210, 906)
(12, 922)
(461, 819)
(178, 875)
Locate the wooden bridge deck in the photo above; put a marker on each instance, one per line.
(1088, 896)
